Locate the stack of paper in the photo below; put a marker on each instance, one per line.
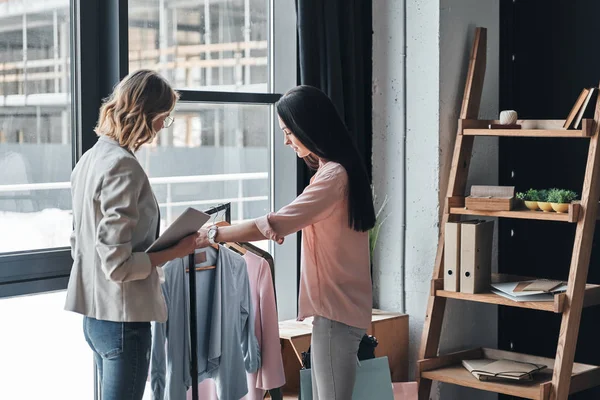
(486, 369)
(522, 291)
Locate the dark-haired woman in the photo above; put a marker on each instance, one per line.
(334, 212)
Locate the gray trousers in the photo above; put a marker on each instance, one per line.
(334, 347)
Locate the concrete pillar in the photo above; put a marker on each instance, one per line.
(438, 38)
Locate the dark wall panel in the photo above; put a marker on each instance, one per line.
(549, 52)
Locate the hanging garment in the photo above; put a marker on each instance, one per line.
(266, 327)
(227, 345)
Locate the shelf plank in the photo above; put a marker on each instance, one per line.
(448, 369)
(492, 298)
(563, 133)
(458, 375)
(591, 297)
(518, 214)
(529, 128)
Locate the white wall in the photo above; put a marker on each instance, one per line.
(439, 36)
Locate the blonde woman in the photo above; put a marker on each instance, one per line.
(113, 282)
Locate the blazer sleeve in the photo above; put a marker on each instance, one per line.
(158, 359)
(317, 202)
(120, 190)
(271, 374)
(250, 348)
(73, 243)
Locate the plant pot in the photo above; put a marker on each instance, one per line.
(532, 205)
(545, 206)
(560, 207)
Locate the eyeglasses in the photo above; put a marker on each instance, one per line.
(168, 121)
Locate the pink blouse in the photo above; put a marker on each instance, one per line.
(335, 279)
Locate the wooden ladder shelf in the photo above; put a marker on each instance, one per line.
(564, 376)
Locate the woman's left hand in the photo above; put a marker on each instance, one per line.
(202, 240)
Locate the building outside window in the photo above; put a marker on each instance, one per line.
(221, 148)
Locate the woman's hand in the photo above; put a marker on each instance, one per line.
(187, 245)
(184, 247)
(202, 240)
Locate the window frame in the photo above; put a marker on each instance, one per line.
(99, 31)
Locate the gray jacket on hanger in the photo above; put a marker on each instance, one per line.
(227, 346)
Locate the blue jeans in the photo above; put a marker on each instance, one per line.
(122, 356)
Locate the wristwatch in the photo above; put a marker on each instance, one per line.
(212, 234)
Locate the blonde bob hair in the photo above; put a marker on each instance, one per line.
(129, 113)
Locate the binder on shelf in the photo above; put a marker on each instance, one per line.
(452, 257)
(476, 256)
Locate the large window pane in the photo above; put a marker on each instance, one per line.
(44, 354)
(35, 131)
(212, 154)
(218, 45)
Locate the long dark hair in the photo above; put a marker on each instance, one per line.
(311, 116)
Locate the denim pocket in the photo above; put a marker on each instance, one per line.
(106, 337)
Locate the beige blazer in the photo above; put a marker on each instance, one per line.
(115, 218)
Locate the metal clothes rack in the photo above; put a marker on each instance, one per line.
(193, 316)
(275, 393)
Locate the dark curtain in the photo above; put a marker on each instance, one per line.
(334, 55)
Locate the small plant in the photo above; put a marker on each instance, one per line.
(554, 196)
(530, 195)
(543, 195)
(569, 196)
(561, 196)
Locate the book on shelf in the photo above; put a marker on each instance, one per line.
(539, 285)
(580, 108)
(502, 370)
(576, 107)
(584, 107)
(514, 290)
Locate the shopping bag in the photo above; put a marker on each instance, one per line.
(373, 381)
(405, 390)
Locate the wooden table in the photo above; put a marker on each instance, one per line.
(390, 330)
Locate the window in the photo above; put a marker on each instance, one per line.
(44, 353)
(212, 154)
(219, 149)
(58, 59)
(204, 44)
(35, 126)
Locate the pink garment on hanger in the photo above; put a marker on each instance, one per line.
(266, 328)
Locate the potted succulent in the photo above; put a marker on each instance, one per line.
(543, 200)
(530, 198)
(560, 199)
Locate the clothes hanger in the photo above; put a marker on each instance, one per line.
(232, 245)
(197, 261)
(235, 246)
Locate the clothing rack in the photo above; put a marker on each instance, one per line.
(193, 317)
(275, 393)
